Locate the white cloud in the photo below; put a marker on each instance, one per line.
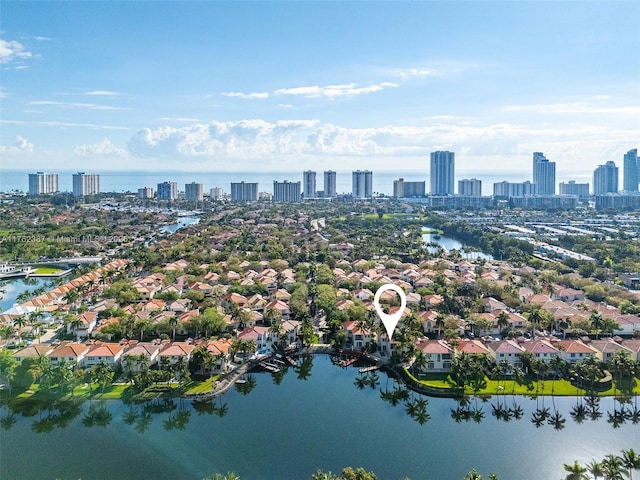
(101, 93)
(104, 148)
(575, 107)
(11, 50)
(91, 106)
(331, 91)
(293, 144)
(20, 145)
(249, 96)
(63, 124)
(419, 72)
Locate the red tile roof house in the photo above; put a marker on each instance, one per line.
(69, 352)
(506, 350)
(171, 353)
(221, 350)
(357, 339)
(261, 335)
(575, 351)
(148, 349)
(33, 351)
(606, 348)
(104, 352)
(438, 354)
(634, 346)
(541, 349)
(471, 347)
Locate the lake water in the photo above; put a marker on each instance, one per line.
(13, 288)
(452, 244)
(182, 222)
(288, 431)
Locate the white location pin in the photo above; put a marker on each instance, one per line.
(390, 320)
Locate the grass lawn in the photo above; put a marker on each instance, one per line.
(559, 387)
(201, 387)
(47, 270)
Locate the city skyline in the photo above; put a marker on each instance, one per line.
(231, 90)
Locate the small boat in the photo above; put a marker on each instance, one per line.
(241, 381)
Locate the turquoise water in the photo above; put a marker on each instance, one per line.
(451, 243)
(288, 431)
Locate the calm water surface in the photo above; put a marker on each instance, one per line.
(452, 244)
(288, 431)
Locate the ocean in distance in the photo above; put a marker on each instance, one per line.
(131, 181)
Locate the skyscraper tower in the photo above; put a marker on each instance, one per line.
(362, 184)
(630, 171)
(442, 173)
(329, 183)
(544, 174)
(85, 184)
(309, 184)
(605, 179)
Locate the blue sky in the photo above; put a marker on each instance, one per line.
(286, 86)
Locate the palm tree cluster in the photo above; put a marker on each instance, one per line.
(611, 467)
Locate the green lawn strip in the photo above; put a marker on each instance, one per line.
(204, 386)
(47, 270)
(546, 387)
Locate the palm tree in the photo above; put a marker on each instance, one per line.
(631, 461)
(173, 323)
(595, 469)
(576, 471)
(20, 322)
(613, 468)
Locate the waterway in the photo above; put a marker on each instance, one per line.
(14, 287)
(452, 244)
(182, 222)
(314, 419)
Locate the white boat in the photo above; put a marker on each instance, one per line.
(9, 271)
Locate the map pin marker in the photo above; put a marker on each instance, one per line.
(390, 320)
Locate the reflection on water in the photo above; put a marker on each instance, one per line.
(296, 416)
(437, 242)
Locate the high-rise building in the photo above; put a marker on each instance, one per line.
(402, 189)
(544, 174)
(86, 184)
(442, 173)
(510, 189)
(470, 187)
(286, 191)
(193, 191)
(329, 183)
(362, 184)
(216, 193)
(145, 193)
(41, 183)
(309, 184)
(168, 191)
(573, 188)
(630, 171)
(605, 179)
(244, 191)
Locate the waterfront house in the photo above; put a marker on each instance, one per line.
(149, 350)
(471, 347)
(69, 352)
(357, 338)
(33, 351)
(111, 353)
(634, 346)
(261, 335)
(172, 352)
(438, 355)
(575, 351)
(506, 350)
(606, 348)
(541, 349)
